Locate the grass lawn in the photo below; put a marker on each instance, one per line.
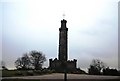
(12, 73)
(19, 80)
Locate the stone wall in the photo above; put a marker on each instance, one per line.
(58, 66)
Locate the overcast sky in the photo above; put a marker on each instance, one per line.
(34, 25)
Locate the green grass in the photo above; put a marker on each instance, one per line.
(19, 80)
(12, 73)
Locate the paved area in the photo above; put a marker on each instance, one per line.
(69, 76)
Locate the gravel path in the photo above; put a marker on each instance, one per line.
(61, 76)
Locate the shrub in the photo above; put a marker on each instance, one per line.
(18, 73)
(30, 72)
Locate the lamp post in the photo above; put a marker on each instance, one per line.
(65, 70)
(65, 76)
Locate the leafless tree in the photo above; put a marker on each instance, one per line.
(96, 66)
(37, 59)
(23, 62)
(32, 60)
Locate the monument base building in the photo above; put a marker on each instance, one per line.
(62, 64)
(58, 66)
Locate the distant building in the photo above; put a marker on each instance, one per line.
(62, 63)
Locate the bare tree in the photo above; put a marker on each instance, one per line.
(96, 66)
(37, 59)
(33, 60)
(23, 62)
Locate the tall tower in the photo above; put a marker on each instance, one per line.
(62, 63)
(63, 41)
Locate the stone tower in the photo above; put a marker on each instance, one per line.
(63, 41)
(58, 65)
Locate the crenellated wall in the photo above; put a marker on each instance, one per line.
(57, 65)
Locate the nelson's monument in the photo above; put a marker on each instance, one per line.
(62, 63)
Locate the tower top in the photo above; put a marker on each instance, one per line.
(63, 21)
(63, 24)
